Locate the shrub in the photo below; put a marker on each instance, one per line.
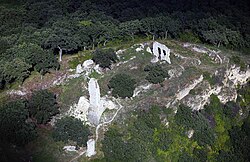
(122, 85)
(43, 106)
(104, 57)
(155, 74)
(14, 125)
(70, 128)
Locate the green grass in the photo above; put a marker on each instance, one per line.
(95, 75)
(80, 58)
(71, 92)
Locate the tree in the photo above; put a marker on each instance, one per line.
(130, 28)
(105, 57)
(155, 74)
(14, 124)
(63, 37)
(71, 129)
(122, 85)
(33, 55)
(15, 70)
(43, 106)
(149, 26)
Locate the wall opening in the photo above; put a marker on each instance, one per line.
(164, 52)
(159, 50)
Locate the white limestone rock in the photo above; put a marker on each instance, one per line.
(80, 110)
(120, 51)
(98, 69)
(79, 69)
(140, 48)
(198, 102)
(70, 148)
(175, 73)
(190, 133)
(200, 50)
(108, 104)
(161, 52)
(141, 88)
(88, 64)
(183, 93)
(149, 50)
(236, 76)
(90, 148)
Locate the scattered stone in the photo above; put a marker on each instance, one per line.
(190, 133)
(236, 76)
(141, 88)
(70, 148)
(140, 48)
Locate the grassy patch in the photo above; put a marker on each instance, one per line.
(95, 75)
(71, 92)
(80, 58)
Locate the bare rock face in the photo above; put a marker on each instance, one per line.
(80, 110)
(236, 76)
(161, 52)
(90, 148)
(88, 64)
(79, 69)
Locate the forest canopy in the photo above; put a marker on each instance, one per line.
(34, 31)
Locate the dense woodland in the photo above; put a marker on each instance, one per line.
(33, 32)
(220, 133)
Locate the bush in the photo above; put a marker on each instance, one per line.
(122, 85)
(105, 57)
(70, 128)
(236, 60)
(14, 125)
(211, 79)
(155, 74)
(43, 106)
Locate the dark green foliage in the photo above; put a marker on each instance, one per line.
(35, 56)
(211, 79)
(236, 60)
(231, 109)
(200, 154)
(184, 117)
(43, 106)
(71, 129)
(195, 120)
(15, 70)
(240, 143)
(155, 74)
(140, 145)
(122, 85)
(105, 57)
(14, 124)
